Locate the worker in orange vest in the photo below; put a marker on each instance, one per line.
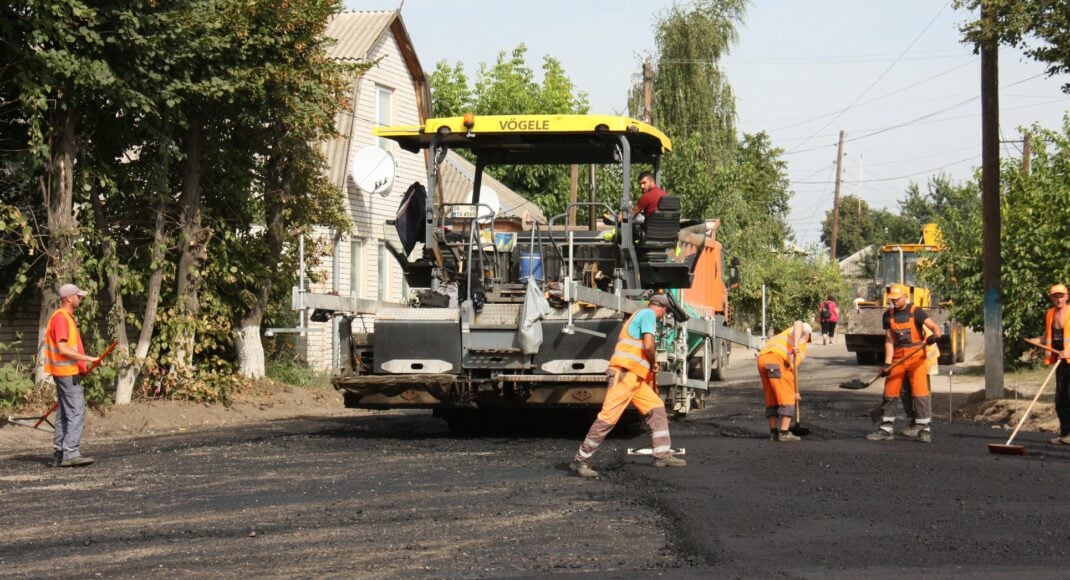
(1057, 336)
(778, 366)
(904, 334)
(65, 360)
(632, 372)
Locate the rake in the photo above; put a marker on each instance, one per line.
(35, 422)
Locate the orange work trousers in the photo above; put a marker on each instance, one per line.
(917, 368)
(779, 391)
(626, 387)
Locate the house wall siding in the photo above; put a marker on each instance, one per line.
(369, 211)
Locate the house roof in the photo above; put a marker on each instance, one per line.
(356, 32)
(458, 174)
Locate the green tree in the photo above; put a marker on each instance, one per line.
(1034, 240)
(1040, 27)
(509, 87)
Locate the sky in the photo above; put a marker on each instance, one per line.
(892, 74)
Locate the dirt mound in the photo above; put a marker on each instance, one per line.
(1008, 411)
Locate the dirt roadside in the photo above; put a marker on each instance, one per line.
(262, 402)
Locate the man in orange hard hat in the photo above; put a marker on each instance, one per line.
(904, 338)
(1057, 336)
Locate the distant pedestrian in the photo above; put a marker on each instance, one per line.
(905, 337)
(778, 367)
(1057, 337)
(65, 360)
(829, 315)
(633, 370)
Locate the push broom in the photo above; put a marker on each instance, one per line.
(1007, 448)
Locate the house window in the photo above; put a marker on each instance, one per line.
(384, 272)
(356, 267)
(384, 113)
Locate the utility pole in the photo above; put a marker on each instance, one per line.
(991, 258)
(648, 92)
(836, 198)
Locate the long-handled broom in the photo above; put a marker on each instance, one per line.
(1007, 448)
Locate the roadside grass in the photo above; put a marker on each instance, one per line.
(296, 374)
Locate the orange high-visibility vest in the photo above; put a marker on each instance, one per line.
(782, 345)
(1049, 318)
(628, 353)
(56, 364)
(905, 334)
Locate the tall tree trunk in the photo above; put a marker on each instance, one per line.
(57, 188)
(194, 246)
(124, 386)
(247, 338)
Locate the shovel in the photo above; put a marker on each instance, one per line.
(35, 422)
(857, 384)
(1007, 448)
(797, 429)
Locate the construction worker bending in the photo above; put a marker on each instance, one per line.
(633, 369)
(1057, 337)
(905, 358)
(778, 366)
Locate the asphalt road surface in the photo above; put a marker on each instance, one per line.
(396, 494)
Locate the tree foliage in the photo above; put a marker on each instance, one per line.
(509, 87)
(1034, 238)
(182, 128)
(1040, 27)
(741, 180)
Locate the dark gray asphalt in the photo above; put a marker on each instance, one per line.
(397, 495)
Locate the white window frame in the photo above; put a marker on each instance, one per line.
(384, 272)
(356, 267)
(384, 113)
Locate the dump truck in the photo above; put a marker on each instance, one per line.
(467, 344)
(899, 263)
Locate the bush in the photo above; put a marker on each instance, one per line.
(15, 384)
(294, 373)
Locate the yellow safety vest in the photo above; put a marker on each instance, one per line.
(628, 353)
(782, 345)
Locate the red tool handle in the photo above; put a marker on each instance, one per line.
(88, 370)
(1037, 344)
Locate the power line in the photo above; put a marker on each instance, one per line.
(882, 75)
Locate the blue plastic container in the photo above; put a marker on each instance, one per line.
(530, 265)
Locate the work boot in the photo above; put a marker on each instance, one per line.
(786, 436)
(670, 461)
(880, 435)
(925, 436)
(79, 461)
(582, 469)
(912, 431)
(57, 458)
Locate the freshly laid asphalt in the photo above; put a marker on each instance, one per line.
(395, 494)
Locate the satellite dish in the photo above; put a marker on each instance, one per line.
(373, 170)
(487, 197)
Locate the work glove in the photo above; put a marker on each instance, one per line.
(885, 370)
(930, 340)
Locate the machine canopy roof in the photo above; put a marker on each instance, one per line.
(536, 139)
